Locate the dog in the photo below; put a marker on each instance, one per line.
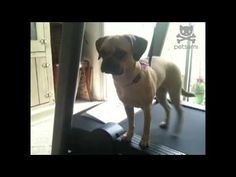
(137, 83)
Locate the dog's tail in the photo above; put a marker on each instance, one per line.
(187, 94)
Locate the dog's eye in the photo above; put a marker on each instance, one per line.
(119, 54)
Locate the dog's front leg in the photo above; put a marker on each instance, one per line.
(146, 129)
(130, 114)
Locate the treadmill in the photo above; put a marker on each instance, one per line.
(85, 134)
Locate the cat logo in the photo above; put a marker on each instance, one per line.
(186, 33)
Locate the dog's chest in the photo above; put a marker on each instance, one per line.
(139, 93)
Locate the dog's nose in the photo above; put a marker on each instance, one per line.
(102, 69)
(105, 67)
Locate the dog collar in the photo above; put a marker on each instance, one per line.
(144, 66)
(137, 78)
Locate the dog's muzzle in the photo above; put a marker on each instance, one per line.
(109, 68)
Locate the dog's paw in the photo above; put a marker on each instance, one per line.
(144, 143)
(163, 125)
(174, 135)
(126, 138)
(177, 130)
(178, 127)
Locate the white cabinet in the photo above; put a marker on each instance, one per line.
(38, 39)
(42, 89)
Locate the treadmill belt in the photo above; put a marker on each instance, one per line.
(190, 141)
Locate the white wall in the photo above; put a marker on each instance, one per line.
(93, 32)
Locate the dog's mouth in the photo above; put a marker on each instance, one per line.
(111, 69)
(113, 72)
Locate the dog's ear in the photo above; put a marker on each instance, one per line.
(138, 44)
(99, 44)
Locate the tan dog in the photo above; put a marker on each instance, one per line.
(137, 84)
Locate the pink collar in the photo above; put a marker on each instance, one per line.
(144, 67)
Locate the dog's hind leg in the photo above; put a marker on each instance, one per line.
(175, 99)
(161, 96)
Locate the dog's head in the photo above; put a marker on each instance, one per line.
(120, 52)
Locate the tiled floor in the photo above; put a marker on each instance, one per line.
(41, 136)
(42, 127)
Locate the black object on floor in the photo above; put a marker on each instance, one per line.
(190, 141)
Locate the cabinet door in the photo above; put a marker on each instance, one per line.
(34, 84)
(38, 40)
(42, 90)
(43, 87)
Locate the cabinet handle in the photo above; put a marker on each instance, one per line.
(45, 65)
(47, 95)
(43, 41)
